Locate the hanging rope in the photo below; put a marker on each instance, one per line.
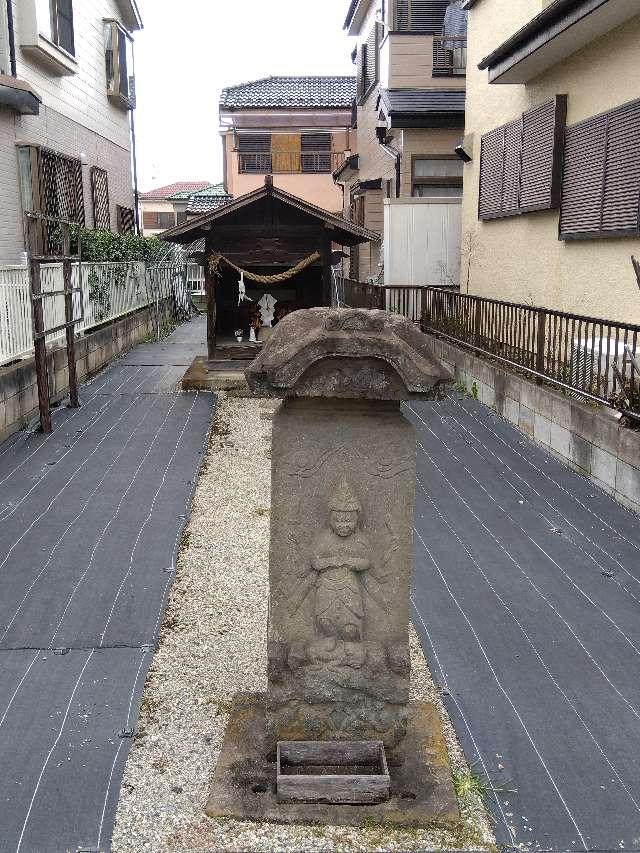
(216, 260)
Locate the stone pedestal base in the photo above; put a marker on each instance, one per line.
(244, 783)
(203, 375)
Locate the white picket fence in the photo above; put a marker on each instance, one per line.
(108, 291)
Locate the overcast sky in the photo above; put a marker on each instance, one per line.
(183, 60)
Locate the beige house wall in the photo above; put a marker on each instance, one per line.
(520, 258)
(406, 62)
(318, 189)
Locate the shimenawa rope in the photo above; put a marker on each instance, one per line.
(216, 260)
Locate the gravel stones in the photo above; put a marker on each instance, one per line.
(212, 645)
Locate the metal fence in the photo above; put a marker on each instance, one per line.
(108, 291)
(592, 357)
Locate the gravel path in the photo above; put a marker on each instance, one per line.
(213, 644)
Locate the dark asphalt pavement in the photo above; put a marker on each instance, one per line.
(526, 596)
(90, 521)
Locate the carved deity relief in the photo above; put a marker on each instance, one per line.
(341, 671)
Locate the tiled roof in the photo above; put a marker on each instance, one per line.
(172, 189)
(301, 92)
(423, 101)
(210, 198)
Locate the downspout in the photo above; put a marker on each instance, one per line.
(397, 156)
(134, 162)
(12, 39)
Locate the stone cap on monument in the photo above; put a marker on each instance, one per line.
(348, 353)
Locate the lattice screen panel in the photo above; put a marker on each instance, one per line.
(100, 197)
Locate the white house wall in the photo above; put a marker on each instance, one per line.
(422, 241)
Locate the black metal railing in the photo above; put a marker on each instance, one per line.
(357, 294)
(592, 357)
(289, 162)
(449, 56)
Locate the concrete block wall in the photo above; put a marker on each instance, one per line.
(18, 384)
(588, 438)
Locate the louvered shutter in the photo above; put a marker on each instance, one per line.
(420, 16)
(511, 168)
(601, 181)
(491, 168)
(520, 163)
(622, 176)
(584, 160)
(542, 146)
(371, 62)
(360, 71)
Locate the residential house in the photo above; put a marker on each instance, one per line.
(296, 128)
(164, 207)
(552, 191)
(66, 92)
(410, 117)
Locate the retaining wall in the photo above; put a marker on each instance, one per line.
(588, 438)
(18, 384)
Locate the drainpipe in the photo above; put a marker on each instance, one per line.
(134, 161)
(397, 156)
(12, 39)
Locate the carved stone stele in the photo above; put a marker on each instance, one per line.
(343, 481)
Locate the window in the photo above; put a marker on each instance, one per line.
(119, 64)
(284, 153)
(368, 60)
(100, 199)
(55, 22)
(181, 217)
(441, 176)
(51, 183)
(520, 163)
(155, 220)
(126, 220)
(316, 152)
(601, 182)
(420, 16)
(254, 153)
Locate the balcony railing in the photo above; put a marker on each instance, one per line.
(289, 162)
(449, 56)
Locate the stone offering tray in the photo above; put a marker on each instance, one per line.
(332, 772)
(421, 789)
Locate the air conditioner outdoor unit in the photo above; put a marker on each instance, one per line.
(592, 363)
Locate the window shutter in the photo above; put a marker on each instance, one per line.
(511, 169)
(542, 147)
(420, 16)
(491, 169)
(601, 180)
(361, 65)
(520, 163)
(622, 175)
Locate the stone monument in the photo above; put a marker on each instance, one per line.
(343, 482)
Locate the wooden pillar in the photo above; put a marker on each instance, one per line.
(325, 252)
(74, 398)
(210, 289)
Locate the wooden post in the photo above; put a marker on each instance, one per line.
(325, 252)
(210, 289)
(540, 341)
(40, 347)
(74, 399)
